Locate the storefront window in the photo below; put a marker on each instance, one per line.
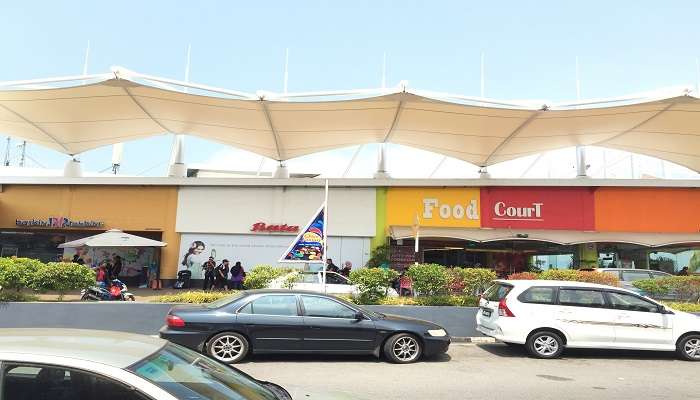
(672, 262)
(554, 261)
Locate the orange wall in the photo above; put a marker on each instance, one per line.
(130, 208)
(647, 209)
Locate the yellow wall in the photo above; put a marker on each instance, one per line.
(129, 208)
(403, 204)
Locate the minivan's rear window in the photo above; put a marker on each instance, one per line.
(539, 295)
(497, 292)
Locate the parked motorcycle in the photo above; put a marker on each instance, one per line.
(100, 292)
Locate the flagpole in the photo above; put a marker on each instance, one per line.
(325, 236)
(416, 231)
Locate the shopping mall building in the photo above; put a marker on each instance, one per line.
(507, 225)
(503, 224)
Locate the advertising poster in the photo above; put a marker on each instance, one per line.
(309, 245)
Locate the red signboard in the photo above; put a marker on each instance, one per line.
(538, 207)
(263, 227)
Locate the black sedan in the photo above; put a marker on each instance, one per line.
(284, 321)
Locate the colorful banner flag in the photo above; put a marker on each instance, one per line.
(310, 245)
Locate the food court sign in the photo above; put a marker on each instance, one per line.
(59, 222)
(538, 207)
(436, 207)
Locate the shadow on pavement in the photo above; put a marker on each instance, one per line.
(503, 350)
(315, 358)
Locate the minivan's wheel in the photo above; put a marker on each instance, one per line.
(689, 348)
(545, 344)
(228, 347)
(403, 348)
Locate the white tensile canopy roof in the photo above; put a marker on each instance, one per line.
(122, 106)
(113, 238)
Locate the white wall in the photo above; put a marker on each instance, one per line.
(351, 211)
(267, 249)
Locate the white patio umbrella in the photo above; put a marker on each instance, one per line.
(113, 238)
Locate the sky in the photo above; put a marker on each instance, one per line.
(530, 48)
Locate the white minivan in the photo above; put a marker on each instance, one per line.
(547, 316)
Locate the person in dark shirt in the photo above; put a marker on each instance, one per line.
(208, 267)
(222, 275)
(330, 267)
(117, 266)
(683, 272)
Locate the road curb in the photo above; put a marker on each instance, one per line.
(473, 339)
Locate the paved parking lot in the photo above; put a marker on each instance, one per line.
(485, 371)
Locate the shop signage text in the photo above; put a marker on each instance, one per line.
(505, 212)
(446, 211)
(59, 222)
(537, 207)
(263, 227)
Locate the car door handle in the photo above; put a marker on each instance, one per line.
(314, 327)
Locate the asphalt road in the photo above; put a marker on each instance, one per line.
(484, 372)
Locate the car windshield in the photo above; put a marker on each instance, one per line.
(224, 301)
(189, 375)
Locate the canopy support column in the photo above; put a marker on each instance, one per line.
(581, 165)
(178, 168)
(484, 173)
(73, 168)
(281, 172)
(381, 164)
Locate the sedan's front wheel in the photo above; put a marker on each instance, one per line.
(228, 347)
(545, 344)
(689, 348)
(403, 348)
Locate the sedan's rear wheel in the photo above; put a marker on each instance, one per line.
(403, 348)
(545, 344)
(228, 347)
(689, 348)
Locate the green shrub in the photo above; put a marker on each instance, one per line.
(455, 281)
(380, 257)
(451, 300)
(428, 279)
(372, 283)
(292, 278)
(62, 277)
(192, 297)
(685, 307)
(653, 287)
(686, 288)
(17, 296)
(559, 275)
(601, 278)
(18, 273)
(476, 280)
(525, 276)
(261, 275)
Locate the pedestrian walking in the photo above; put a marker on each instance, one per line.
(237, 276)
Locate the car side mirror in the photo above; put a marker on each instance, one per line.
(359, 315)
(664, 310)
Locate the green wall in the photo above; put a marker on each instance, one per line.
(380, 233)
